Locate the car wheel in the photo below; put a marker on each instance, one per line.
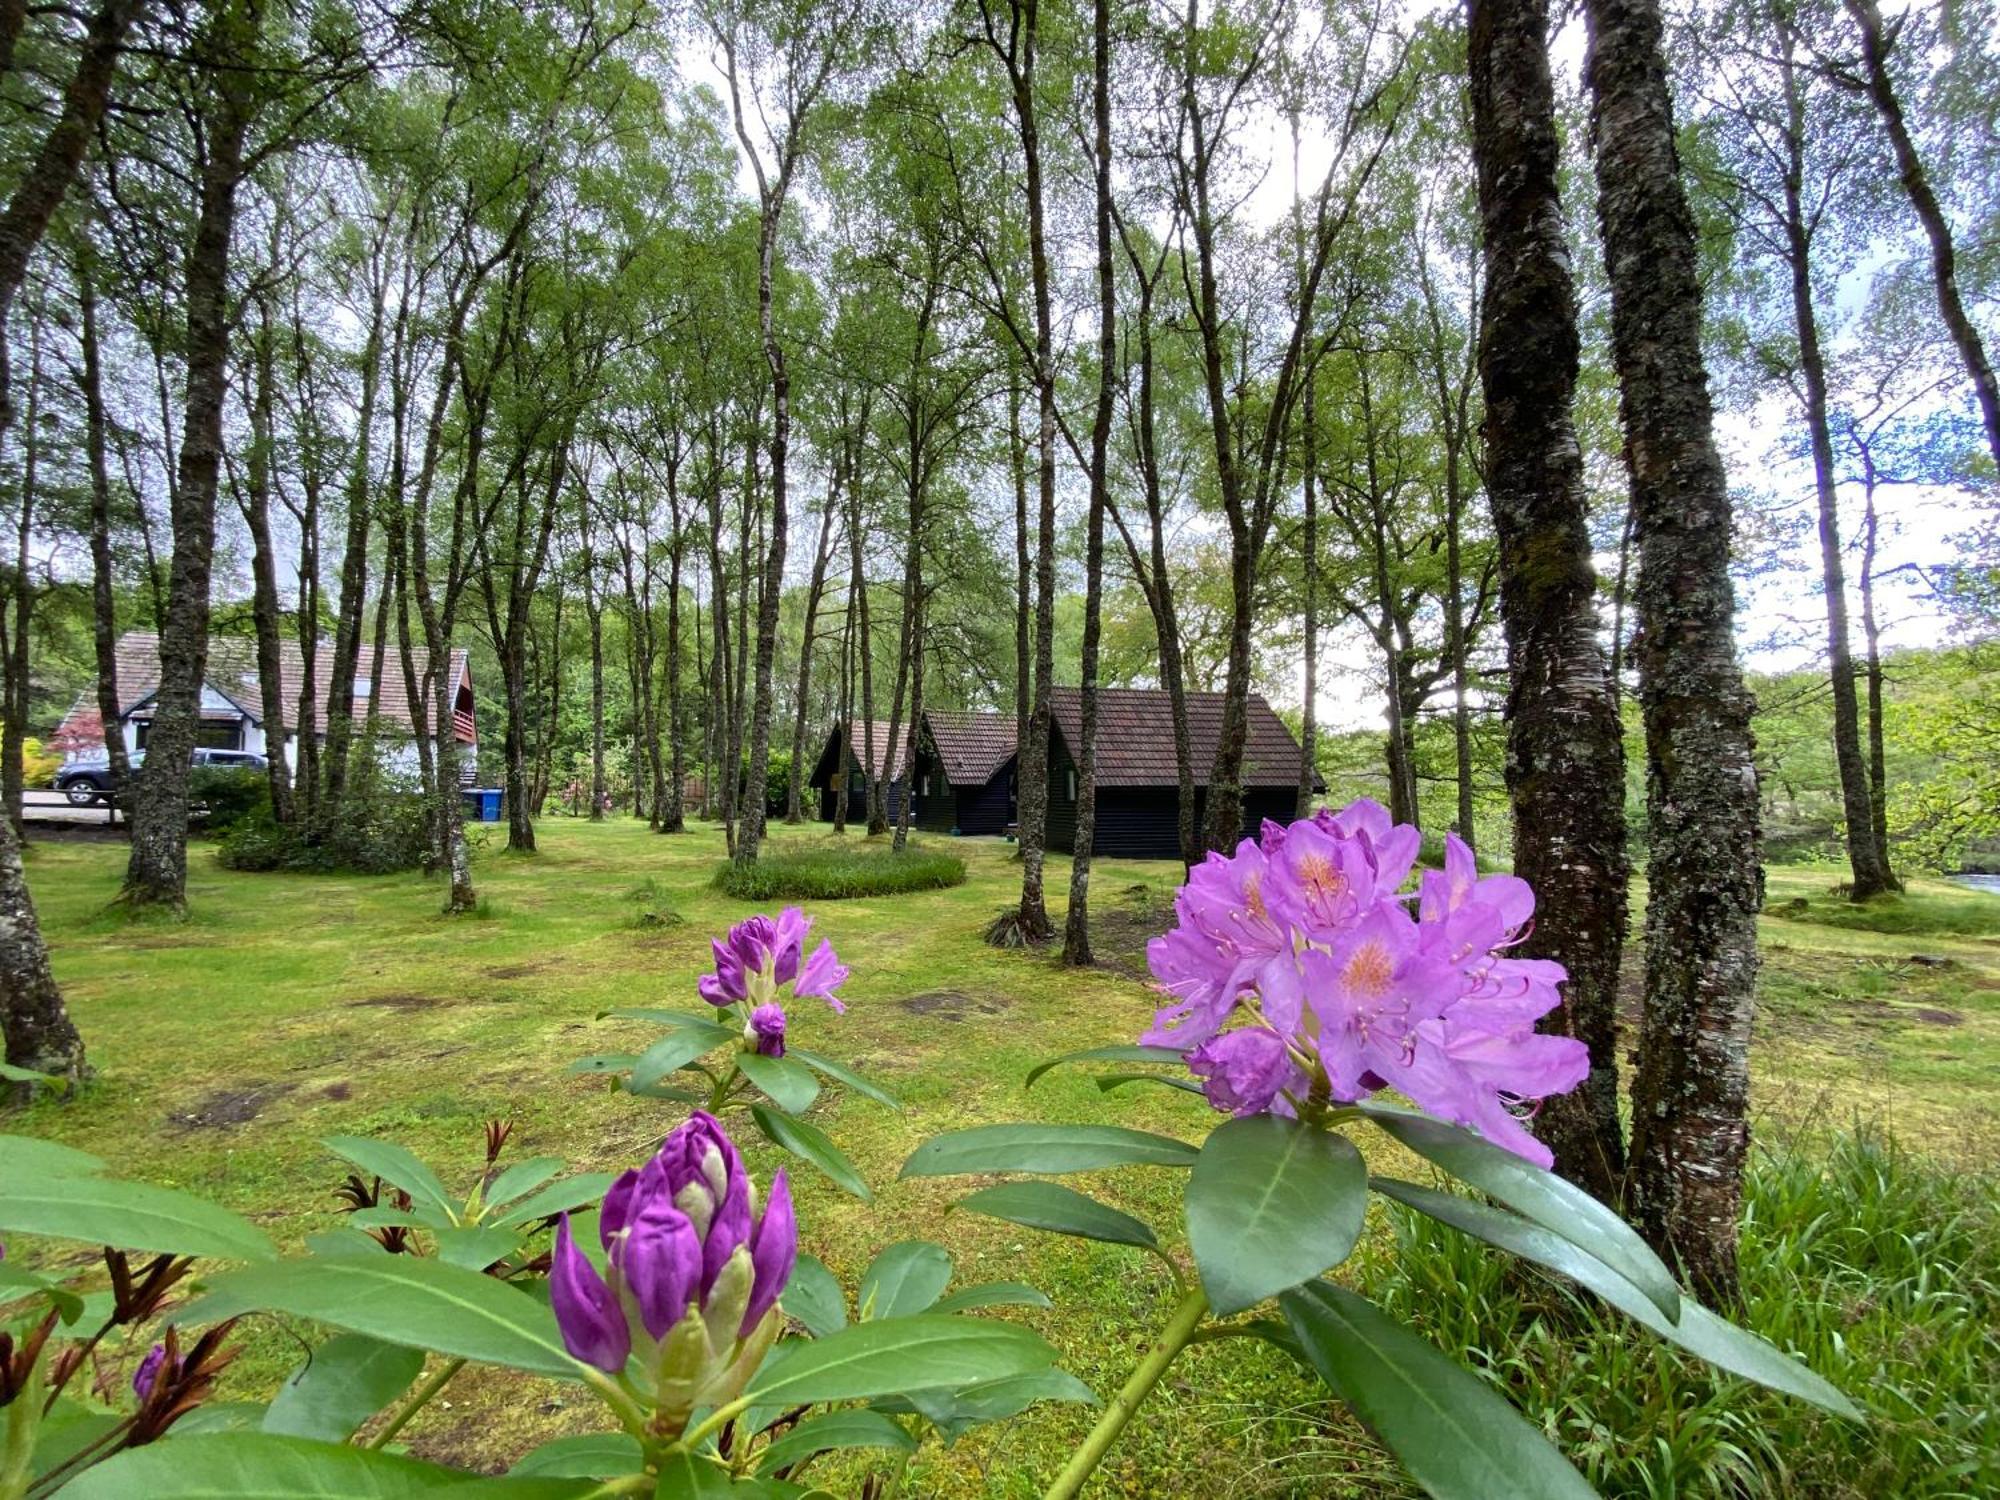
(81, 793)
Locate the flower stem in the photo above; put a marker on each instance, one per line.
(416, 1403)
(715, 1420)
(1187, 1316)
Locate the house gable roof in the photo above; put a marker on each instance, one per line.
(231, 678)
(857, 743)
(1135, 737)
(974, 747)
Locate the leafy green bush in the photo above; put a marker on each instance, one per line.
(378, 835)
(229, 796)
(1880, 1268)
(836, 874)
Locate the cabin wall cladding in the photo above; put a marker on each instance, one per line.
(826, 771)
(964, 770)
(1138, 792)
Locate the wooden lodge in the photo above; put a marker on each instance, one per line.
(1138, 784)
(964, 768)
(832, 768)
(965, 772)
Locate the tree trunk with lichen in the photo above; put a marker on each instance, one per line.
(265, 609)
(44, 182)
(1691, 1089)
(38, 1031)
(157, 872)
(1076, 926)
(103, 608)
(1565, 759)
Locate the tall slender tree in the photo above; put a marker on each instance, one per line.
(1565, 755)
(1076, 930)
(229, 97)
(812, 44)
(1874, 76)
(1690, 1129)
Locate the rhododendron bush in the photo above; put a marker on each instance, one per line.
(1307, 975)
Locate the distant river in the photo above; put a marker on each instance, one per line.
(1988, 883)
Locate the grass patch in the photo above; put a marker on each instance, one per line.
(831, 872)
(1880, 1269)
(1928, 908)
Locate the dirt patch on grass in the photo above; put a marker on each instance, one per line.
(516, 971)
(1119, 934)
(1933, 1017)
(400, 1002)
(953, 1005)
(226, 1108)
(338, 1092)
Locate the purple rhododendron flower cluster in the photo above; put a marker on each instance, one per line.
(760, 955)
(1300, 971)
(693, 1274)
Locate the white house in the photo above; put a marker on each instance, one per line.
(232, 712)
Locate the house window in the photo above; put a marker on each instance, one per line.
(219, 734)
(142, 730)
(1072, 783)
(363, 686)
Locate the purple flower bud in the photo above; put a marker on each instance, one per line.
(706, 1179)
(1244, 1071)
(593, 1325)
(658, 1260)
(729, 1229)
(788, 943)
(729, 982)
(766, 1031)
(147, 1376)
(822, 975)
(773, 1249)
(697, 1160)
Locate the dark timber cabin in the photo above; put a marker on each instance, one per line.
(964, 771)
(827, 771)
(1138, 786)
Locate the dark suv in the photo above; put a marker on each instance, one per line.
(89, 779)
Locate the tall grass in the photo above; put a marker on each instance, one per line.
(1879, 1269)
(834, 873)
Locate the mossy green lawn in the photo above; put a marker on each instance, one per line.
(289, 1008)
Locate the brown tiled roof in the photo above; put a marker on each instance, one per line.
(1135, 737)
(232, 671)
(972, 746)
(856, 740)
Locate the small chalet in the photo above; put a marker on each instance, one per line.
(965, 770)
(232, 702)
(1138, 784)
(859, 736)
